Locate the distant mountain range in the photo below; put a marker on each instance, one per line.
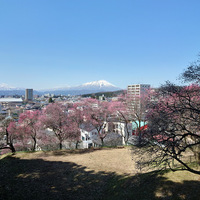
(5, 89)
(86, 88)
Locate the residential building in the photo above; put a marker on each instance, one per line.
(2, 112)
(137, 89)
(29, 95)
(134, 94)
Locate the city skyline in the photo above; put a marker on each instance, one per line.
(47, 44)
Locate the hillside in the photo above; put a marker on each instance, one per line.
(90, 174)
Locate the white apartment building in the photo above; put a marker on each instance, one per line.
(137, 89)
(135, 92)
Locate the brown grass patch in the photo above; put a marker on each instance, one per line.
(89, 174)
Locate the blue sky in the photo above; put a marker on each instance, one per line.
(51, 43)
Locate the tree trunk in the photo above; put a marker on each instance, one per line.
(12, 148)
(60, 140)
(123, 140)
(77, 142)
(126, 134)
(139, 138)
(60, 145)
(102, 142)
(7, 137)
(34, 144)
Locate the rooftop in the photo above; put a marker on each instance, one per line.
(18, 100)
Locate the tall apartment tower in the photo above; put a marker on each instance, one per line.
(134, 92)
(29, 95)
(137, 89)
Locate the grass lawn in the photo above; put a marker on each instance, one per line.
(90, 174)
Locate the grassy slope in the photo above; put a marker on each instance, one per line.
(34, 176)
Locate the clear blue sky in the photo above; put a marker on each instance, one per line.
(50, 43)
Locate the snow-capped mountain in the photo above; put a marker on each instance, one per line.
(99, 84)
(6, 89)
(86, 88)
(4, 86)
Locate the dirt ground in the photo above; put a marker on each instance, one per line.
(121, 161)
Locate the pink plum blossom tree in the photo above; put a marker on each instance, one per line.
(76, 115)
(56, 117)
(30, 125)
(98, 115)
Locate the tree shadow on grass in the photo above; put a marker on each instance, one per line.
(153, 185)
(38, 179)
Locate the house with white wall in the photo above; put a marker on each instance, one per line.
(89, 136)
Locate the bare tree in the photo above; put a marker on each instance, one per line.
(192, 73)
